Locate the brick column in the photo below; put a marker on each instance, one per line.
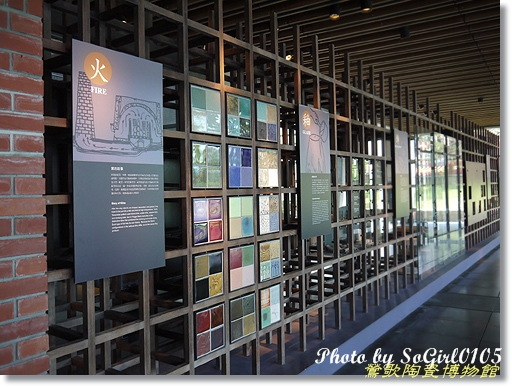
(23, 279)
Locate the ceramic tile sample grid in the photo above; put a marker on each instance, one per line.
(205, 114)
(241, 217)
(239, 166)
(208, 275)
(206, 169)
(266, 121)
(209, 330)
(270, 305)
(269, 213)
(268, 168)
(239, 116)
(207, 218)
(270, 259)
(241, 267)
(242, 316)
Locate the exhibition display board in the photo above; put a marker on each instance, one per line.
(117, 163)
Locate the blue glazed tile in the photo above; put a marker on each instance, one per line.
(234, 156)
(275, 268)
(274, 222)
(234, 177)
(264, 271)
(247, 226)
(246, 157)
(272, 132)
(262, 130)
(200, 233)
(246, 177)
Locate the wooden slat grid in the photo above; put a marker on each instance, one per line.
(143, 323)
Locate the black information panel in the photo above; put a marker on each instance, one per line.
(117, 163)
(315, 168)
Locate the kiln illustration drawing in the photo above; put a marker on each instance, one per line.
(136, 127)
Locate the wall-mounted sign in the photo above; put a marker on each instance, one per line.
(117, 163)
(476, 192)
(315, 172)
(402, 200)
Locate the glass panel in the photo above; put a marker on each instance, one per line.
(440, 189)
(358, 236)
(356, 171)
(358, 204)
(379, 172)
(439, 142)
(379, 201)
(341, 169)
(426, 202)
(368, 202)
(368, 172)
(453, 192)
(343, 240)
(343, 205)
(451, 145)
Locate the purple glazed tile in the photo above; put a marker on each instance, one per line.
(203, 344)
(235, 258)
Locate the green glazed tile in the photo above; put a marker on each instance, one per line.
(198, 97)
(213, 155)
(198, 153)
(248, 255)
(232, 105)
(247, 206)
(214, 177)
(235, 207)
(199, 177)
(236, 309)
(245, 128)
(248, 304)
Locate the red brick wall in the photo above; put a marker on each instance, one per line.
(23, 280)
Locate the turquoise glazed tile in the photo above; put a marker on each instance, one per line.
(245, 107)
(261, 111)
(233, 126)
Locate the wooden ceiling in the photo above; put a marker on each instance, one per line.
(452, 55)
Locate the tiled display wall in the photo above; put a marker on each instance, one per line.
(236, 267)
